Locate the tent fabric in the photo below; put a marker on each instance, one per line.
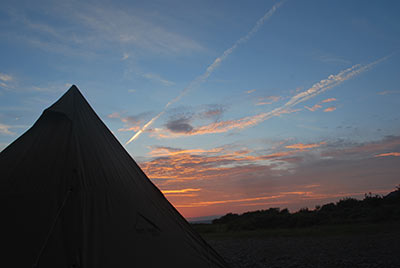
(71, 196)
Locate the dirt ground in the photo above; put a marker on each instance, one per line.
(349, 250)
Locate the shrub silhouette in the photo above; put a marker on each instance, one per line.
(373, 208)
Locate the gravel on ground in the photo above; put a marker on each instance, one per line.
(361, 250)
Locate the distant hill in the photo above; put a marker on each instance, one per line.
(372, 209)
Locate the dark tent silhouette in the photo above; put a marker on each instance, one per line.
(71, 196)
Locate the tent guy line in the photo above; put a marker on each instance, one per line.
(210, 69)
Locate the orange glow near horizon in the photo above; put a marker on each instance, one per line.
(201, 182)
(283, 200)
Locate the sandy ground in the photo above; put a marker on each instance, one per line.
(360, 250)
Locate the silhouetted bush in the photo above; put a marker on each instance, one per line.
(373, 208)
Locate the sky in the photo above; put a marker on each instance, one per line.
(227, 106)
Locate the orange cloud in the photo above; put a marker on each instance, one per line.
(312, 186)
(314, 108)
(277, 155)
(328, 100)
(301, 146)
(242, 186)
(114, 115)
(297, 193)
(223, 126)
(191, 164)
(268, 100)
(366, 149)
(181, 191)
(134, 128)
(209, 203)
(131, 123)
(279, 199)
(316, 89)
(318, 106)
(250, 91)
(168, 151)
(388, 154)
(330, 109)
(237, 180)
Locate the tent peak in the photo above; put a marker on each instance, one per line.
(70, 103)
(73, 88)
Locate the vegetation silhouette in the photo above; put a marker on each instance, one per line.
(372, 209)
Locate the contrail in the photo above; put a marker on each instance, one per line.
(330, 82)
(318, 88)
(210, 69)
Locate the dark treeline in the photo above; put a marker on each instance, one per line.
(372, 209)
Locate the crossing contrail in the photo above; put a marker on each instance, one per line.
(210, 69)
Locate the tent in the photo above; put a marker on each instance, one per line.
(71, 196)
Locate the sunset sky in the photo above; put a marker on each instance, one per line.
(229, 106)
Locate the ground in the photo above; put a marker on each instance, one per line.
(349, 246)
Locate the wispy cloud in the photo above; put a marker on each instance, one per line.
(281, 198)
(311, 181)
(333, 59)
(388, 154)
(250, 91)
(302, 146)
(319, 106)
(6, 77)
(157, 78)
(387, 92)
(364, 150)
(329, 100)
(191, 164)
(159, 151)
(91, 27)
(125, 56)
(130, 27)
(241, 200)
(212, 112)
(220, 126)
(114, 115)
(268, 100)
(331, 81)
(249, 121)
(180, 191)
(330, 109)
(6, 81)
(132, 122)
(242, 177)
(210, 69)
(181, 120)
(314, 108)
(52, 87)
(5, 130)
